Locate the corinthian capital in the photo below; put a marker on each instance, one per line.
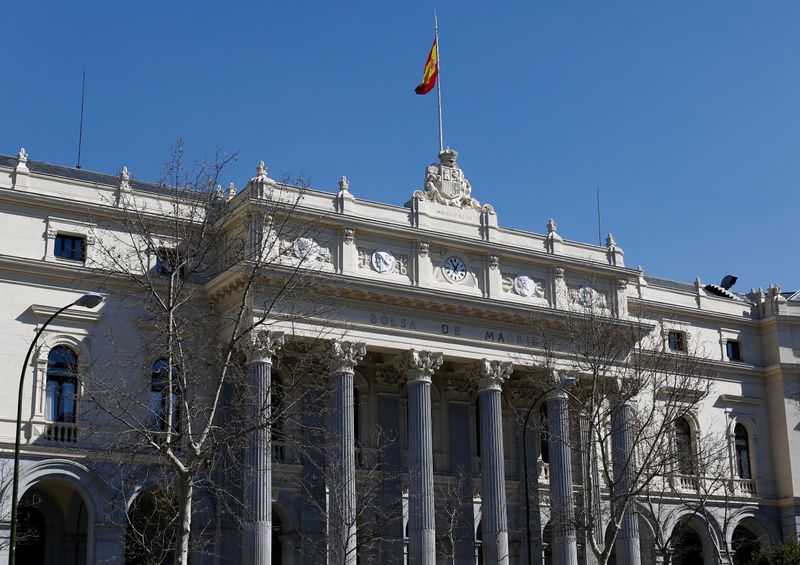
(491, 374)
(263, 344)
(345, 355)
(420, 365)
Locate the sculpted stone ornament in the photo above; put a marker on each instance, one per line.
(261, 182)
(383, 261)
(345, 355)
(420, 365)
(527, 286)
(445, 183)
(263, 344)
(588, 297)
(305, 249)
(491, 374)
(231, 192)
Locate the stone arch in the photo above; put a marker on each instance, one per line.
(77, 478)
(286, 526)
(758, 523)
(702, 523)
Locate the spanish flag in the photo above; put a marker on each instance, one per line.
(431, 71)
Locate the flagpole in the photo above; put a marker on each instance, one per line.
(439, 76)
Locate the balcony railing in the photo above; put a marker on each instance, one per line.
(61, 432)
(743, 487)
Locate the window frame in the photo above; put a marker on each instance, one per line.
(681, 339)
(64, 238)
(738, 349)
(68, 228)
(52, 376)
(737, 452)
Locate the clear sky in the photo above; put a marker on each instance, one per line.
(685, 114)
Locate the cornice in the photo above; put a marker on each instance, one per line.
(652, 305)
(740, 400)
(43, 312)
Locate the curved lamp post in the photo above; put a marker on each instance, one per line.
(566, 382)
(89, 300)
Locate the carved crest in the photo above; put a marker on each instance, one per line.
(445, 183)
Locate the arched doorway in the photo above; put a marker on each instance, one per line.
(151, 529)
(744, 544)
(687, 549)
(53, 525)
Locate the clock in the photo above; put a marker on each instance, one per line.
(454, 269)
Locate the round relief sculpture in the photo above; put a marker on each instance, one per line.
(383, 261)
(305, 248)
(524, 285)
(454, 269)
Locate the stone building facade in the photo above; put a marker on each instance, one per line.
(426, 313)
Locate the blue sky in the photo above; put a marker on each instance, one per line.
(686, 115)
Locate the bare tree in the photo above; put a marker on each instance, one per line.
(633, 388)
(201, 271)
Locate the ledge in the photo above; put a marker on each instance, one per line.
(42, 312)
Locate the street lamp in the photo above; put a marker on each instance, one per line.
(88, 300)
(566, 382)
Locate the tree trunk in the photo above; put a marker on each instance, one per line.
(186, 495)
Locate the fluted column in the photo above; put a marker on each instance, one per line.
(257, 534)
(491, 375)
(343, 358)
(422, 530)
(627, 544)
(562, 519)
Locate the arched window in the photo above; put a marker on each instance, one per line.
(160, 398)
(684, 447)
(62, 385)
(742, 443)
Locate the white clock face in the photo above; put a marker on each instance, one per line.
(454, 269)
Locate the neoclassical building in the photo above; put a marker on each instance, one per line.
(426, 319)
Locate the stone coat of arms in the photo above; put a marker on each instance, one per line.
(445, 183)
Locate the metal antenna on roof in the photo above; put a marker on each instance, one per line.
(599, 231)
(80, 130)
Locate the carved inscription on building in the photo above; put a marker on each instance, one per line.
(492, 335)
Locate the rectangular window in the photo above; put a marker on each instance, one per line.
(733, 351)
(676, 341)
(70, 247)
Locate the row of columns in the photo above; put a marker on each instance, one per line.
(419, 367)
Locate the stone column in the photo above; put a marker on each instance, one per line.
(627, 544)
(257, 534)
(491, 375)
(562, 504)
(343, 357)
(422, 529)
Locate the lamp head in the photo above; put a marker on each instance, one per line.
(89, 300)
(567, 382)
